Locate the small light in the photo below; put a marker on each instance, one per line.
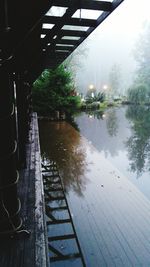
(104, 116)
(91, 86)
(105, 86)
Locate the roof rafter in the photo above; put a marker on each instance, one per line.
(55, 35)
(31, 51)
(70, 21)
(85, 4)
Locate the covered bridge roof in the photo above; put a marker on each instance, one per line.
(41, 34)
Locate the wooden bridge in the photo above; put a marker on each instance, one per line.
(32, 37)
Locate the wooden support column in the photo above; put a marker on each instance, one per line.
(23, 100)
(28, 90)
(10, 221)
(21, 119)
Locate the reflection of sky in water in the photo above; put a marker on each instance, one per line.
(110, 133)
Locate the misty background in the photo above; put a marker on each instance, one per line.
(114, 42)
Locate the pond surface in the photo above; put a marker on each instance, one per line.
(111, 216)
(122, 135)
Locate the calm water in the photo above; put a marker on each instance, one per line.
(122, 135)
(108, 212)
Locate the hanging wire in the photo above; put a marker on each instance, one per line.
(80, 10)
(7, 27)
(15, 229)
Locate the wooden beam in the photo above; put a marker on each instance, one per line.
(69, 42)
(56, 30)
(74, 33)
(85, 4)
(116, 3)
(68, 33)
(59, 47)
(70, 21)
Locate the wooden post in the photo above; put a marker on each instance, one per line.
(10, 221)
(20, 100)
(23, 100)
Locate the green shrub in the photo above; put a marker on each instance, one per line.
(54, 90)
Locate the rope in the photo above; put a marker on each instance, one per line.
(6, 59)
(14, 228)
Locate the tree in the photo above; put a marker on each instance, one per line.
(54, 90)
(138, 143)
(75, 61)
(138, 94)
(142, 56)
(114, 79)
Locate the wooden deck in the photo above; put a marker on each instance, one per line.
(112, 220)
(111, 216)
(31, 251)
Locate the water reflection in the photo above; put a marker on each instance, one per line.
(123, 134)
(138, 144)
(63, 145)
(112, 122)
(107, 130)
(99, 114)
(123, 137)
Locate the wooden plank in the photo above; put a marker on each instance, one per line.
(68, 32)
(74, 33)
(85, 4)
(67, 42)
(24, 251)
(70, 21)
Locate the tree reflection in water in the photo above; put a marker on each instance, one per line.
(111, 119)
(112, 122)
(139, 143)
(61, 143)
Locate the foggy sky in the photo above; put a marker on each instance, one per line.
(113, 42)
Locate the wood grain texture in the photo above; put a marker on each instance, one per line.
(29, 251)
